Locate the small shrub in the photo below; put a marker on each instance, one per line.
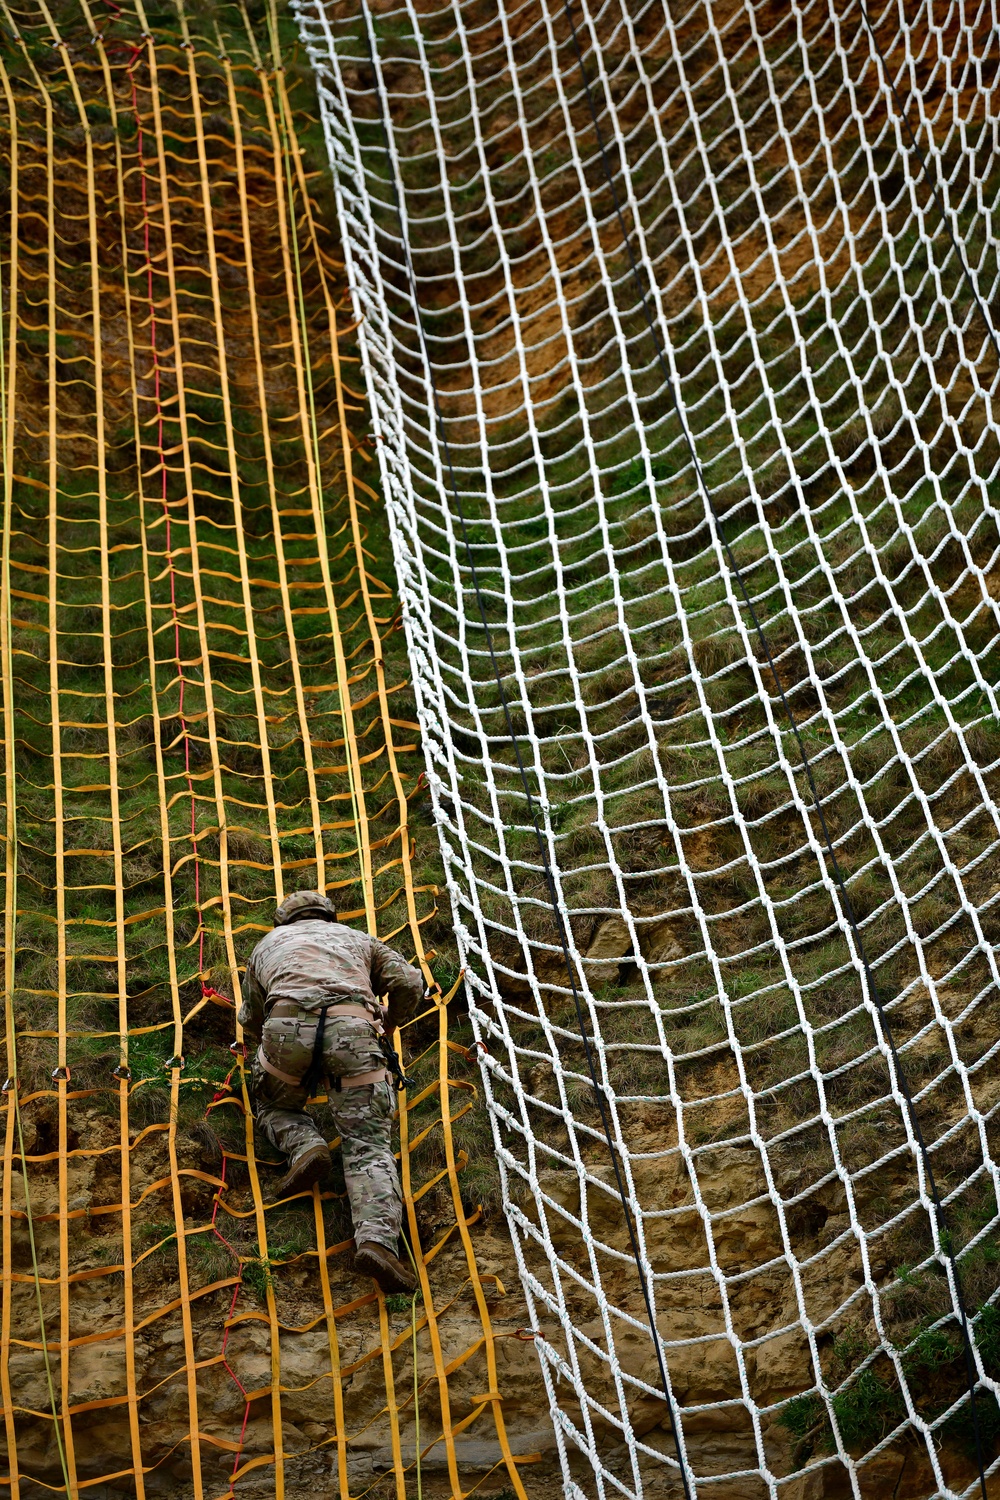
(932, 1349)
(401, 1302)
(866, 1410)
(257, 1278)
(802, 1415)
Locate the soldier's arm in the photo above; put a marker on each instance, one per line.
(251, 1016)
(398, 981)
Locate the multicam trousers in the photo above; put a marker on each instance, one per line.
(363, 1116)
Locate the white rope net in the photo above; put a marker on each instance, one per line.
(804, 207)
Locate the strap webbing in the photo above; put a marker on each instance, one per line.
(208, 563)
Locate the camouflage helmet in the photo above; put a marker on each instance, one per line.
(302, 904)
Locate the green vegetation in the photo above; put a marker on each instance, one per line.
(112, 666)
(256, 1277)
(210, 762)
(401, 1302)
(859, 507)
(870, 1404)
(845, 450)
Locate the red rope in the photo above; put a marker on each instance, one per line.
(210, 993)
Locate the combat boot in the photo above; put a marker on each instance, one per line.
(305, 1170)
(383, 1267)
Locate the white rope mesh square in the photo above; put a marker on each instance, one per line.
(805, 210)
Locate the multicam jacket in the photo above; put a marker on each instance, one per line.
(315, 963)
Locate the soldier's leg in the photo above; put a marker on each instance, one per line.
(280, 1107)
(281, 1117)
(364, 1117)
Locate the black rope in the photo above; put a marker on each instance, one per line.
(904, 115)
(549, 878)
(317, 1063)
(847, 911)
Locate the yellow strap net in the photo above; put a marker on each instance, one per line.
(200, 680)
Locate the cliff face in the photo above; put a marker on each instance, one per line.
(237, 1336)
(206, 705)
(206, 694)
(699, 559)
(234, 1344)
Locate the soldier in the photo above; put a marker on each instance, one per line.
(310, 1007)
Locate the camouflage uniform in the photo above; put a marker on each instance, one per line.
(315, 963)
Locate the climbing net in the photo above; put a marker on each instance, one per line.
(202, 688)
(678, 335)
